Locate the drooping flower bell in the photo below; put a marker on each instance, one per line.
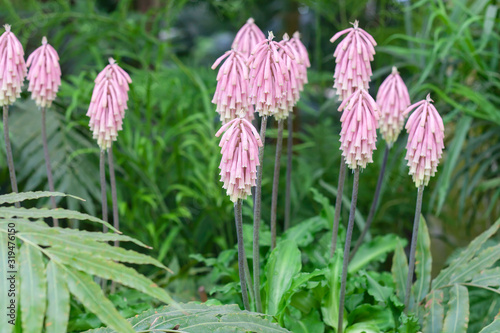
(247, 38)
(108, 104)
(425, 140)
(240, 157)
(359, 128)
(44, 74)
(12, 67)
(293, 83)
(393, 99)
(268, 76)
(302, 58)
(352, 58)
(232, 92)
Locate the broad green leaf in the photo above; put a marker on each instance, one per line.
(444, 276)
(60, 213)
(57, 316)
(303, 233)
(363, 328)
(5, 327)
(457, 317)
(284, 263)
(90, 294)
(375, 289)
(400, 270)
(484, 260)
(110, 270)
(488, 278)
(376, 315)
(423, 262)
(200, 318)
(33, 291)
(374, 250)
(308, 323)
(18, 197)
(494, 327)
(434, 312)
(330, 305)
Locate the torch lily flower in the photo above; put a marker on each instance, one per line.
(247, 38)
(12, 67)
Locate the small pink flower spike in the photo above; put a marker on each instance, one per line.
(359, 128)
(247, 37)
(302, 58)
(268, 77)
(108, 104)
(425, 140)
(232, 92)
(44, 74)
(12, 67)
(293, 83)
(352, 58)
(393, 99)
(240, 157)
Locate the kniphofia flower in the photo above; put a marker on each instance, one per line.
(359, 128)
(293, 82)
(12, 67)
(247, 38)
(268, 76)
(240, 157)
(425, 140)
(44, 74)
(352, 58)
(232, 92)
(108, 104)
(302, 58)
(393, 99)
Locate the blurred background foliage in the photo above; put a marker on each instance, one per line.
(167, 156)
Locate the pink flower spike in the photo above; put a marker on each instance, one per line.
(393, 99)
(232, 92)
(302, 58)
(247, 38)
(240, 157)
(359, 129)
(44, 74)
(352, 57)
(108, 104)
(294, 86)
(12, 67)
(425, 141)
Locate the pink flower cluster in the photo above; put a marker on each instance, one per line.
(247, 37)
(302, 59)
(393, 99)
(240, 157)
(232, 92)
(359, 128)
(44, 74)
(352, 58)
(293, 83)
(108, 104)
(12, 67)
(425, 141)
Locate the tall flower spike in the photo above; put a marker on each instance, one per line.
(393, 99)
(231, 94)
(352, 58)
(268, 76)
(44, 74)
(240, 157)
(425, 140)
(12, 67)
(302, 58)
(247, 38)
(108, 104)
(293, 84)
(359, 128)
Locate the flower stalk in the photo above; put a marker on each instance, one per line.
(276, 180)
(241, 253)
(112, 181)
(338, 206)
(47, 162)
(8, 149)
(102, 173)
(289, 148)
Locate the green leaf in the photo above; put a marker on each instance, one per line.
(374, 250)
(494, 327)
(330, 305)
(434, 312)
(56, 320)
(90, 294)
(484, 260)
(308, 323)
(35, 213)
(457, 317)
(110, 270)
(488, 278)
(375, 289)
(303, 233)
(400, 270)
(423, 262)
(18, 197)
(284, 263)
(363, 328)
(5, 327)
(33, 288)
(379, 316)
(444, 276)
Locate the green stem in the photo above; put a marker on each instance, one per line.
(241, 252)
(338, 206)
(347, 248)
(289, 148)
(50, 180)
(276, 182)
(102, 169)
(413, 249)
(112, 180)
(8, 148)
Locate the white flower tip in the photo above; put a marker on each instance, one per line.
(395, 70)
(286, 38)
(44, 40)
(270, 36)
(296, 34)
(428, 98)
(250, 20)
(7, 27)
(111, 61)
